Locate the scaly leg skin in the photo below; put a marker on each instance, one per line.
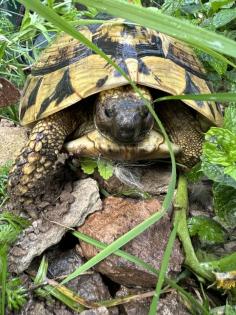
(183, 129)
(37, 160)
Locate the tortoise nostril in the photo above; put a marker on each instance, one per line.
(145, 113)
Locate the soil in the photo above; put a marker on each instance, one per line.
(13, 138)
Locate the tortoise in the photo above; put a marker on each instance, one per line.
(75, 101)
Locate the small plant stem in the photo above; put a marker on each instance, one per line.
(3, 277)
(224, 264)
(181, 206)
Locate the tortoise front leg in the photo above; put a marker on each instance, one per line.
(37, 160)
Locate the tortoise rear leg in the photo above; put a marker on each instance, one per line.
(37, 160)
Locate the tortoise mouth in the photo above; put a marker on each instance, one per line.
(95, 144)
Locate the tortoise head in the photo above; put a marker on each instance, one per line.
(121, 114)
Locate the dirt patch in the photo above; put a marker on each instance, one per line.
(12, 140)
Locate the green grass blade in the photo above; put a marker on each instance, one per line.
(61, 296)
(163, 270)
(120, 253)
(172, 26)
(3, 276)
(215, 54)
(214, 97)
(42, 271)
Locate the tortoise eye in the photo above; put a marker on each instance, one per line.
(145, 112)
(108, 112)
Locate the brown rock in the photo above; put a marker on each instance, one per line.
(119, 215)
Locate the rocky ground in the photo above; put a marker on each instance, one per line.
(76, 202)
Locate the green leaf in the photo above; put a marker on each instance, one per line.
(42, 271)
(224, 17)
(205, 255)
(209, 231)
(220, 150)
(14, 220)
(15, 293)
(230, 118)
(170, 7)
(220, 146)
(88, 165)
(224, 198)
(216, 173)
(105, 168)
(230, 309)
(8, 234)
(224, 264)
(195, 174)
(220, 66)
(215, 5)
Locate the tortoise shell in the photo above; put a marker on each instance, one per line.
(69, 71)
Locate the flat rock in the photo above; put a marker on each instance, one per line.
(118, 216)
(54, 222)
(12, 141)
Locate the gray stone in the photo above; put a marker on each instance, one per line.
(169, 304)
(96, 311)
(88, 286)
(52, 225)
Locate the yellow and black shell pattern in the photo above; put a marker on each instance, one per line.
(69, 71)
